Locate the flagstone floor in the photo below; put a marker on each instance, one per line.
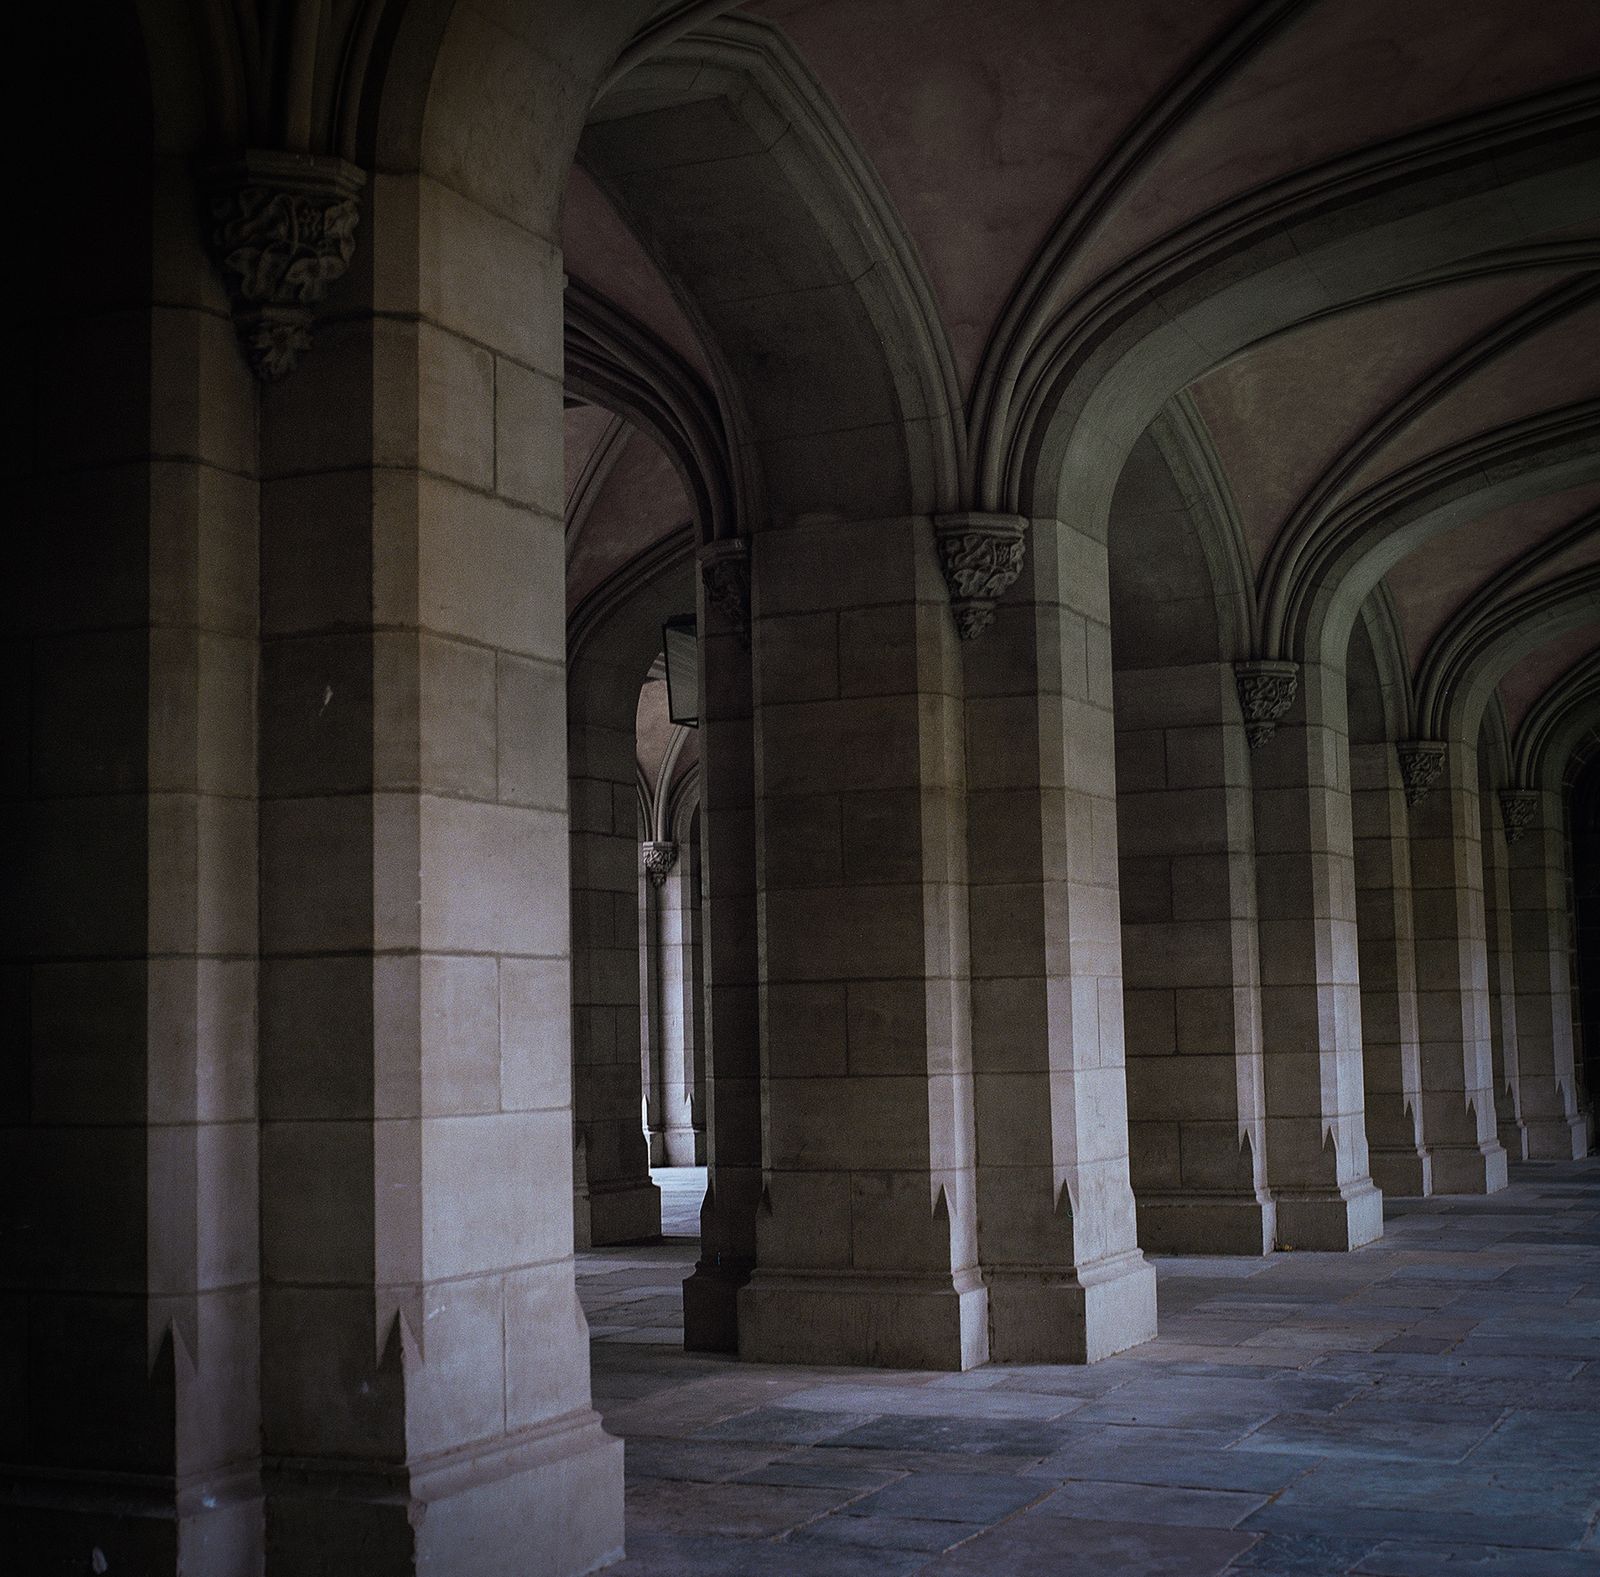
(1430, 1404)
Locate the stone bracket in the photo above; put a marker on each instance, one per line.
(659, 858)
(725, 573)
(282, 227)
(1518, 810)
(1267, 688)
(1421, 762)
(980, 554)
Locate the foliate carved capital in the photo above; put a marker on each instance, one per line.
(659, 858)
(1267, 689)
(1518, 810)
(282, 229)
(1421, 762)
(980, 554)
(725, 573)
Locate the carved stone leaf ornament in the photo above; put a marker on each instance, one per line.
(725, 571)
(1518, 808)
(283, 229)
(1267, 689)
(1421, 762)
(980, 555)
(659, 858)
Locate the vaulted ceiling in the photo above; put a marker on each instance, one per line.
(1040, 155)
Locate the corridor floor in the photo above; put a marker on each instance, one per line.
(1430, 1404)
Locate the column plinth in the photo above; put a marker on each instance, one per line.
(883, 1321)
(1196, 1223)
(1331, 1220)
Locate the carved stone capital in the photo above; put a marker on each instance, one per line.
(1267, 689)
(980, 554)
(725, 573)
(282, 229)
(659, 858)
(1421, 762)
(1518, 810)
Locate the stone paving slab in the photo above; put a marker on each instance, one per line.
(1429, 1405)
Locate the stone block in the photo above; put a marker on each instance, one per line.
(535, 1060)
(527, 412)
(482, 869)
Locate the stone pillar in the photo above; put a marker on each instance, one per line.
(731, 1049)
(129, 1305)
(694, 987)
(425, 1360)
(614, 1200)
(1458, 1112)
(867, 1223)
(1503, 1040)
(1540, 930)
(1391, 1055)
(1057, 1240)
(652, 1009)
(675, 902)
(1310, 983)
(1196, 1098)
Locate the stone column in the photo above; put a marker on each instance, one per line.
(1458, 1112)
(1391, 1055)
(1540, 930)
(652, 1008)
(867, 1223)
(731, 1050)
(1310, 984)
(614, 1200)
(1503, 1039)
(1196, 1099)
(676, 902)
(694, 992)
(1056, 1230)
(129, 1305)
(425, 1359)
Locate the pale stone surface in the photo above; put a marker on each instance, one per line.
(1197, 1112)
(866, 1230)
(1310, 989)
(1546, 1076)
(1390, 1051)
(1453, 982)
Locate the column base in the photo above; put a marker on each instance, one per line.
(1469, 1169)
(881, 1321)
(1334, 1220)
(1205, 1224)
(1407, 1174)
(711, 1307)
(1076, 1317)
(547, 1501)
(615, 1213)
(1557, 1138)
(1513, 1137)
(683, 1147)
(51, 1523)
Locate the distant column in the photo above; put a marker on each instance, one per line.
(1310, 982)
(1539, 927)
(1391, 1056)
(1191, 986)
(1453, 976)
